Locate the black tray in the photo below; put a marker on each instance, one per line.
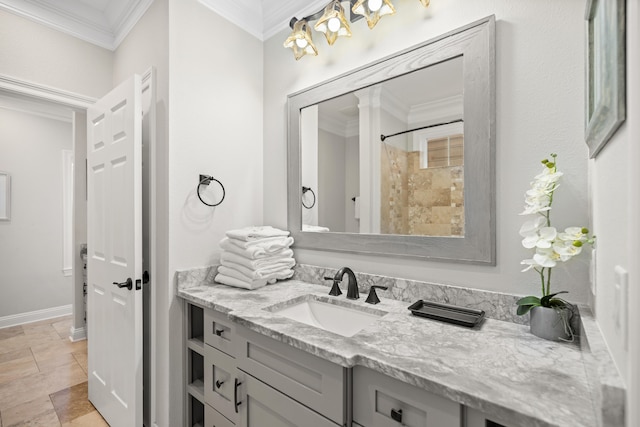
(447, 313)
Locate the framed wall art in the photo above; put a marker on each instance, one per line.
(605, 72)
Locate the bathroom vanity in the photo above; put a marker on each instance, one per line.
(248, 364)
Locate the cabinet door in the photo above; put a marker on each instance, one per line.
(311, 380)
(382, 401)
(262, 406)
(213, 418)
(219, 381)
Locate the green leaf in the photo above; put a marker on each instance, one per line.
(530, 300)
(547, 298)
(527, 303)
(524, 309)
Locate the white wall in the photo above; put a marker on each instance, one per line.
(539, 111)
(215, 128)
(352, 183)
(37, 53)
(615, 210)
(31, 275)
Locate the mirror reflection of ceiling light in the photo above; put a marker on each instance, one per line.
(332, 22)
(300, 40)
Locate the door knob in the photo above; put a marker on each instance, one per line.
(396, 415)
(128, 284)
(219, 383)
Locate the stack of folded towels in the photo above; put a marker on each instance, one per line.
(255, 256)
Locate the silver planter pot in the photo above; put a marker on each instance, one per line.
(551, 323)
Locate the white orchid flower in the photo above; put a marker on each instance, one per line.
(531, 227)
(542, 239)
(573, 234)
(529, 263)
(545, 258)
(566, 250)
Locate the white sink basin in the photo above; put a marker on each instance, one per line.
(324, 314)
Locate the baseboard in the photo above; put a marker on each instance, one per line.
(35, 316)
(77, 334)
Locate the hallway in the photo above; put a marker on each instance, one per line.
(43, 377)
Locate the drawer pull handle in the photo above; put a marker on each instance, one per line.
(219, 383)
(219, 332)
(235, 395)
(396, 415)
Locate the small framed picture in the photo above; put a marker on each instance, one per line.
(605, 84)
(5, 196)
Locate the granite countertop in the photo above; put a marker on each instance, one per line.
(497, 367)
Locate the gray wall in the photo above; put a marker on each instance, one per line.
(31, 276)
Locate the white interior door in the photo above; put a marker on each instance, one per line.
(114, 217)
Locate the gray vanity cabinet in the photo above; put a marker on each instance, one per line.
(238, 378)
(382, 401)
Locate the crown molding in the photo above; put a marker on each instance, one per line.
(81, 20)
(38, 91)
(447, 108)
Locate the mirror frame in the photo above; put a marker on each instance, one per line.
(476, 43)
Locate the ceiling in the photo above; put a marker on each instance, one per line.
(107, 22)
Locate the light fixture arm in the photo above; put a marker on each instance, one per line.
(352, 16)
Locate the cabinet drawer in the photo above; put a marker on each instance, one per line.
(475, 418)
(262, 406)
(213, 418)
(378, 399)
(219, 332)
(312, 381)
(220, 371)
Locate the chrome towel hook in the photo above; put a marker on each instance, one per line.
(206, 180)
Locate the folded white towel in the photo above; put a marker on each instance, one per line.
(314, 228)
(270, 277)
(260, 273)
(258, 263)
(232, 281)
(255, 233)
(254, 252)
(269, 244)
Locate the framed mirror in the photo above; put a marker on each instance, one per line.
(398, 157)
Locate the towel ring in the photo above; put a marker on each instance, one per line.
(206, 180)
(304, 190)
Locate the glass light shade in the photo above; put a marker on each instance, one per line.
(425, 3)
(333, 22)
(300, 40)
(374, 11)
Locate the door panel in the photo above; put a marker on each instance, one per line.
(115, 254)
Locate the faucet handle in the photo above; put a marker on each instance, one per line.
(335, 289)
(372, 298)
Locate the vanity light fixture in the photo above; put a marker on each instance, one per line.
(333, 22)
(300, 39)
(373, 10)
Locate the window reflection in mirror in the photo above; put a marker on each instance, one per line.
(409, 184)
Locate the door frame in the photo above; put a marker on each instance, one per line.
(80, 102)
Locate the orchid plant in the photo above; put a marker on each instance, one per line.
(549, 246)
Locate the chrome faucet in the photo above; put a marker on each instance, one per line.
(352, 289)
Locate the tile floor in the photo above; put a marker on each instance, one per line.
(43, 377)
